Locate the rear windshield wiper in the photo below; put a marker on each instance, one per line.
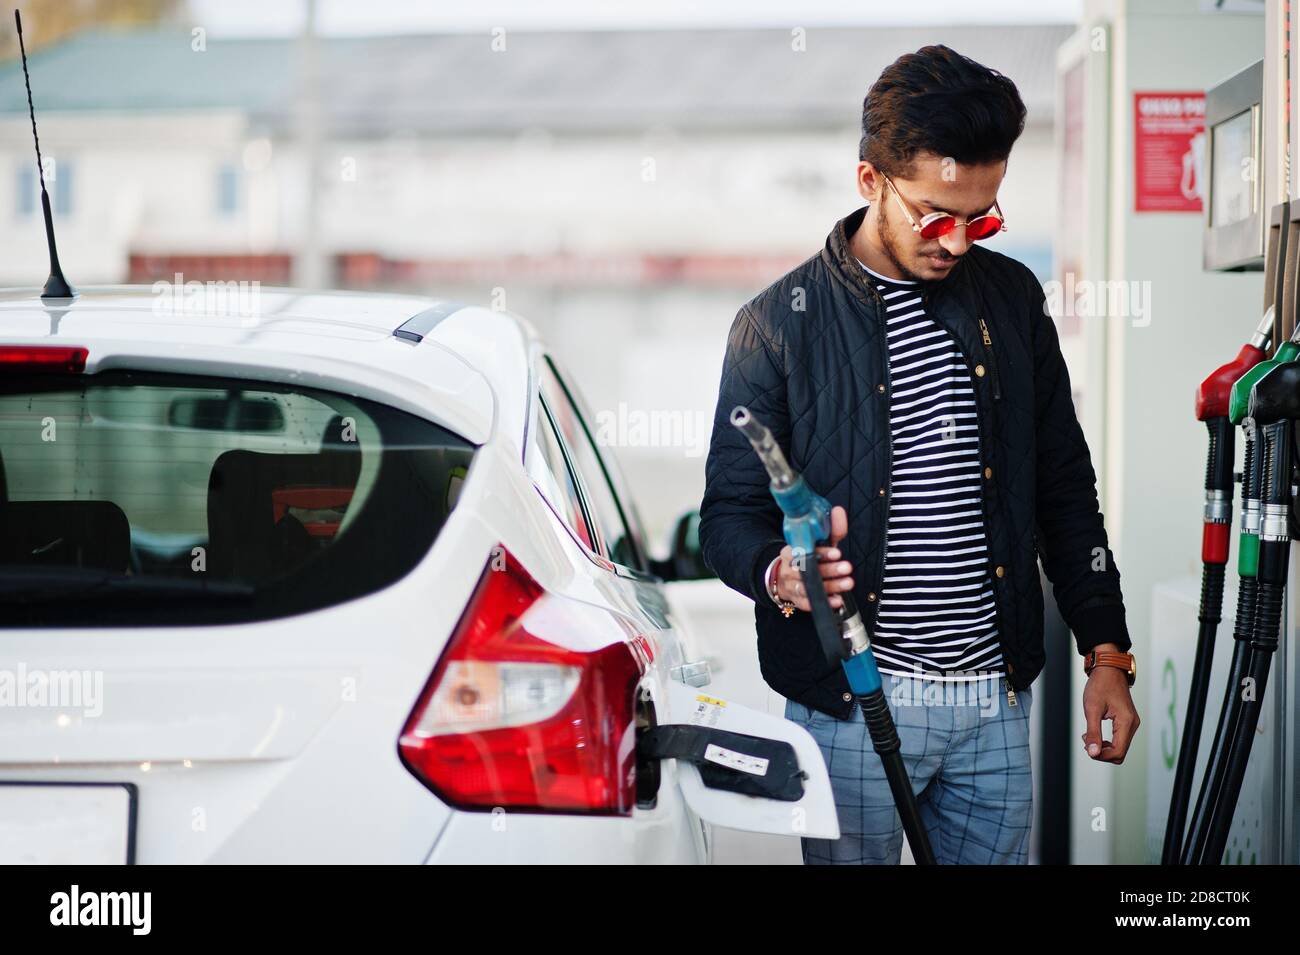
(31, 584)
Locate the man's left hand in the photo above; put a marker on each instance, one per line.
(1106, 697)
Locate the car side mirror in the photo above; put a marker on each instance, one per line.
(685, 559)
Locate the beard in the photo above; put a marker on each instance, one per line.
(884, 234)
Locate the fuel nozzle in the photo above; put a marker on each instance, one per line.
(1214, 394)
(807, 517)
(1276, 395)
(1213, 406)
(765, 446)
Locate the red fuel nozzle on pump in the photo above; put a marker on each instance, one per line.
(1212, 402)
(1214, 393)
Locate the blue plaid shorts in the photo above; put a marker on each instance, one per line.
(967, 753)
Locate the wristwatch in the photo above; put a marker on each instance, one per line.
(1109, 658)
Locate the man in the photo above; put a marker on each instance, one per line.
(915, 378)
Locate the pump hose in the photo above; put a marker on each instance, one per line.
(1276, 452)
(880, 724)
(1189, 850)
(1267, 626)
(1211, 614)
(1215, 768)
(1214, 557)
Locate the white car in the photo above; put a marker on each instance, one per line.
(344, 580)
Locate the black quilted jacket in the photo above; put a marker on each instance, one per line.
(808, 357)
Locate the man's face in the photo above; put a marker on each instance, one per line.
(932, 185)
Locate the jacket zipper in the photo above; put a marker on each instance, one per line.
(997, 396)
(992, 359)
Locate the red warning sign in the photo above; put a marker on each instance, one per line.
(1168, 151)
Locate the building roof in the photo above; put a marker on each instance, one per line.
(564, 81)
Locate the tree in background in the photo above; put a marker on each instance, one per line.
(49, 21)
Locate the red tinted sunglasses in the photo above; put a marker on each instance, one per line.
(937, 224)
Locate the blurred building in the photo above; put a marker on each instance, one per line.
(625, 191)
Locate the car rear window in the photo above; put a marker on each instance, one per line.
(131, 498)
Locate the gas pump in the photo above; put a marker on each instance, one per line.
(1251, 221)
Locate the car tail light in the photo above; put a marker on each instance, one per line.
(531, 706)
(56, 359)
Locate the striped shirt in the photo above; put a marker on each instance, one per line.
(936, 610)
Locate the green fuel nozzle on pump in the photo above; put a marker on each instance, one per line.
(843, 635)
(1239, 399)
(1238, 408)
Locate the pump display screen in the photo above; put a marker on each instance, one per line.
(1232, 166)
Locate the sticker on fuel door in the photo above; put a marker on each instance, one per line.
(733, 760)
(707, 711)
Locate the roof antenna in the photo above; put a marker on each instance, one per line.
(56, 286)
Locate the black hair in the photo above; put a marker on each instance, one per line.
(936, 100)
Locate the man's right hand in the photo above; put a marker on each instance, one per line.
(834, 570)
